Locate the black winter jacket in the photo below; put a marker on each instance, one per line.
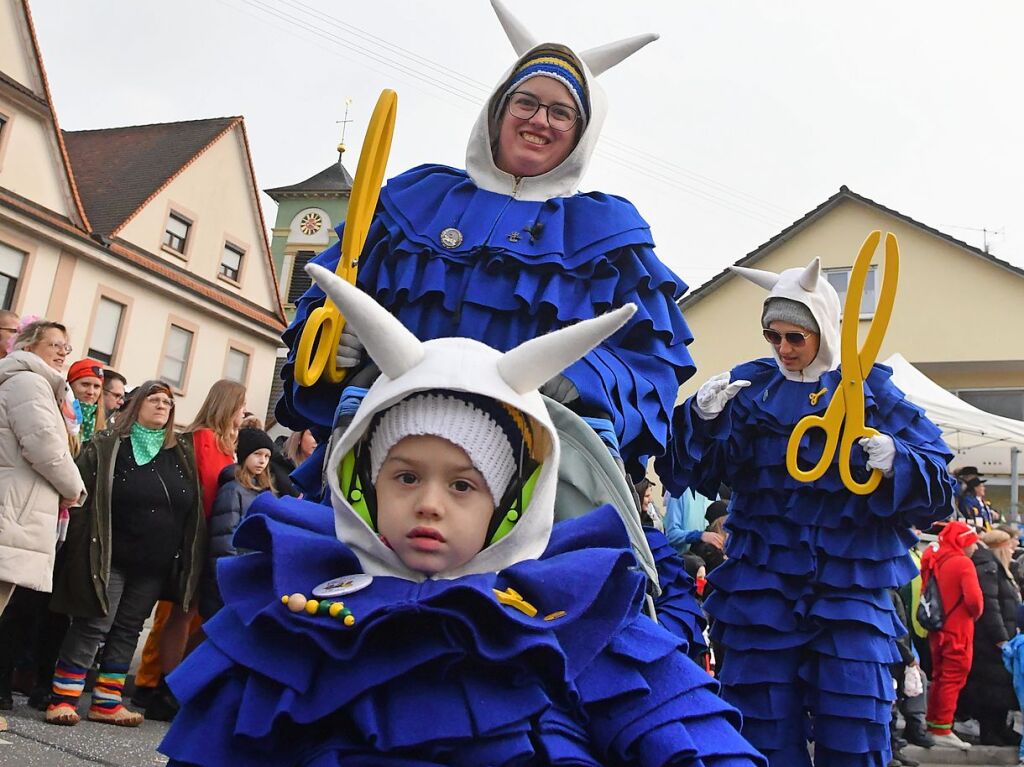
(989, 686)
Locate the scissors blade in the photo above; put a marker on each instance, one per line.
(850, 356)
(883, 309)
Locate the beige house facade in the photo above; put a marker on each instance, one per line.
(148, 242)
(956, 315)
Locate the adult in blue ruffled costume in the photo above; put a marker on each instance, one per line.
(801, 604)
(438, 616)
(509, 249)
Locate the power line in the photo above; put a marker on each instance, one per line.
(659, 169)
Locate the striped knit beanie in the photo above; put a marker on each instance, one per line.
(558, 66)
(487, 430)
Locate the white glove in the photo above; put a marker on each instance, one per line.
(881, 451)
(714, 393)
(561, 390)
(350, 350)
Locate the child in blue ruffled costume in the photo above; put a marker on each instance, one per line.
(439, 616)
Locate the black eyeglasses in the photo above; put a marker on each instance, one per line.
(525, 105)
(794, 337)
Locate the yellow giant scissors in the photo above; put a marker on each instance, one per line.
(312, 359)
(845, 413)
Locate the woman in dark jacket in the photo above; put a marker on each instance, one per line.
(988, 695)
(140, 537)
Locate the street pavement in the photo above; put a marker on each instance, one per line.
(30, 742)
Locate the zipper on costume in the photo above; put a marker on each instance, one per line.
(494, 224)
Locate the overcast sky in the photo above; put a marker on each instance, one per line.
(740, 119)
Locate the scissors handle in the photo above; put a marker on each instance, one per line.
(320, 337)
(315, 356)
(845, 469)
(830, 423)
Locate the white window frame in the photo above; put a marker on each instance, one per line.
(94, 351)
(182, 219)
(870, 297)
(177, 384)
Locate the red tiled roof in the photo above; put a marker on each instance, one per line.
(119, 169)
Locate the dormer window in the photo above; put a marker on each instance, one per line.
(176, 234)
(231, 262)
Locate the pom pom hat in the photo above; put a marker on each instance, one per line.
(471, 370)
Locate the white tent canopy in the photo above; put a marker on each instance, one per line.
(976, 438)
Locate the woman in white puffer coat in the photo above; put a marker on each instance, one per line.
(37, 472)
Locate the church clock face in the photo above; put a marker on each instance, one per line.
(311, 223)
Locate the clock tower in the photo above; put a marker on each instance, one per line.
(307, 213)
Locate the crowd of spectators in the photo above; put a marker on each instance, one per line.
(118, 512)
(106, 514)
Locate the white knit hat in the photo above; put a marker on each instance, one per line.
(452, 418)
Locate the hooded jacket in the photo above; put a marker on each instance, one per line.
(36, 469)
(962, 599)
(532, 255)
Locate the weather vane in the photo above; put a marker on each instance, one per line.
(344, 125)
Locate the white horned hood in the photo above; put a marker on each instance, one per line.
(460, 364)
(806, 286)
(564, 180)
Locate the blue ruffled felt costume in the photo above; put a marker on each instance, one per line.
(588, 253)
(439, 672)
(801, 603)
(677, 607)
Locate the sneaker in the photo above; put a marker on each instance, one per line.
(949, 740)
(163, 706)
(120, 716)
(921, 738)
(63, 714)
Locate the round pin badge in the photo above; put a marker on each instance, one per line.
(451, 237)
(346, 584)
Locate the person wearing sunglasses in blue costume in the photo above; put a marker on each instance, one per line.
(801, 603)
(509, 249)
(437, 615)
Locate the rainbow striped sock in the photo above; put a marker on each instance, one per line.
(106, 694)
(68, 683)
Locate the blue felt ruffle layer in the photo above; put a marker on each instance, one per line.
(570, 259)
(439, 672)
(676, 607)
(801, 603)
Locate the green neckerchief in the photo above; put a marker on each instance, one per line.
(88, 420)
(146, 443)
